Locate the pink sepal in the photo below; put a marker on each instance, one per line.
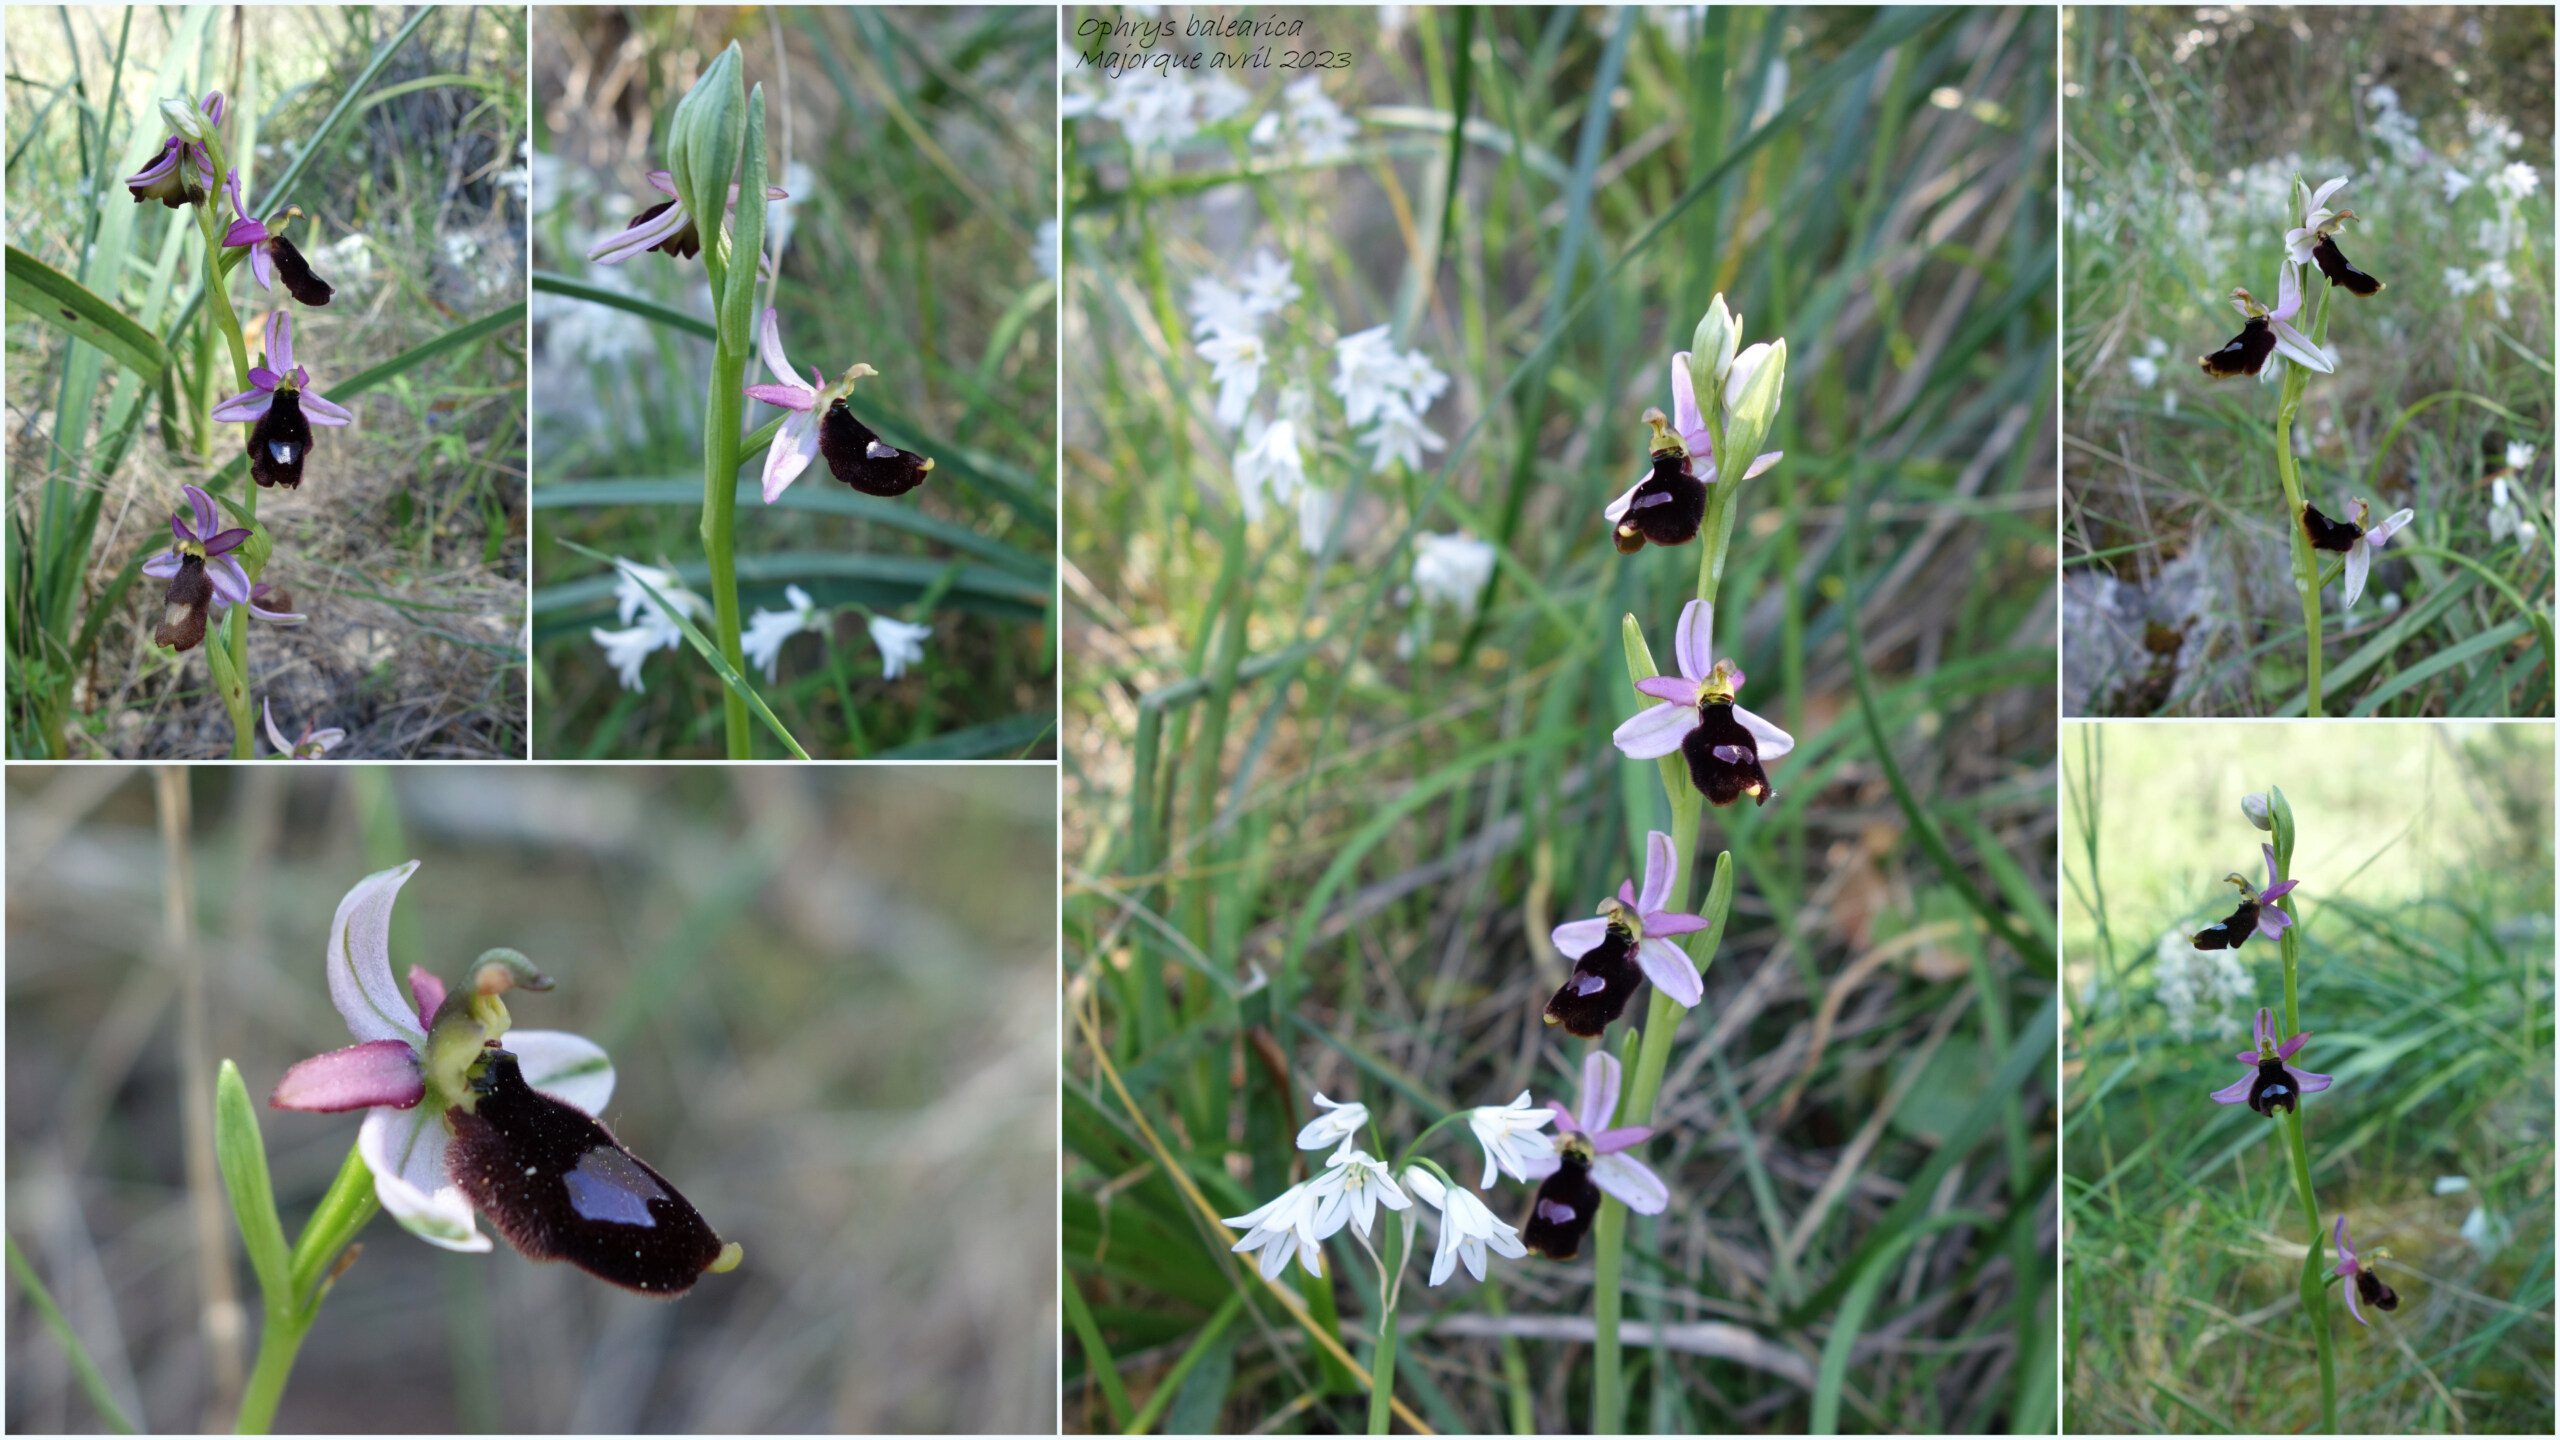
(377, 1072)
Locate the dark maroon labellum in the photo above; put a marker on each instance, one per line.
(2371, 1290)
(560, 1187)
(1724, 757)
(2230, 934)
(1602, 983)
(863, 460)
(2328, 534)
(190, 591)
(2246, 352)
(1665, 509)
(280, 441)
(2273, 1089)
(296, 274)
(1562, 1214)
(2333, 263)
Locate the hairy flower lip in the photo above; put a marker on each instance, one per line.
(2266, 1032)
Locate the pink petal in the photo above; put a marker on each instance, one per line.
(1684, 409)
(769, 342)
(789, 397)
(378, 1072)
(429, 992)
(2359, 563)
(2288, 293)
(243, 232)
(1695, 640)
(200, 505)
(1671, 970)
(359, 961)
(1577, 938)
(2235, 1093)
(262, 267)
(1671, 688)
(280, 341)
(2311, 1084)
(230, 582)
(1661, 867)
(1633, 1182)
(664, 182)
(794, 446)
(1599, 1091)
(161, 567)
(320, 410)
(1565, 1122)
(1672, 922)
(276, 738)
(1627, 896)
(1620, 1138)
(1760, 465)
(1655, 731)
(1772, 742)
(2381, 533)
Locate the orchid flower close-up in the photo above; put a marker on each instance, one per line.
(1628, 942)
(2267, 333)
(281, 406)
(822, 423)
(2363, 1285)
(2314, 240)
(1591, 1160)
(1665, 506)
(181, 174)
(1698, 718)
(271, 255)
(2273, 1083)
(2258, 913)
(200, 569)
(2358, 538)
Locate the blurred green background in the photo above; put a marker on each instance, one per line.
(919, 147)
(405, 544)
(1291, 761)
(2425, 856)
(2186, 129)
(829, 998)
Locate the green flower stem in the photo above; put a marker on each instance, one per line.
(721, 414)
(2315, 1294)
(2306, 561)
(343, 1212)
(1382, 1368)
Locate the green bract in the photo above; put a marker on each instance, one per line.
(702, 148)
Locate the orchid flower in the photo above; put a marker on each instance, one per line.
(2365, 1284)
(822, 423)
(1664, 507)
(1467, 1228)
(1626, 943)
(200, 569)
(2272, 1083)
(665, 226)
(270, 253)
(2258, 913)
(409, 1063)
(311, 745)
(178, 175)
(2360, 550)
(2314, 240)
(2268, 332)
(283, 407)
(280, 612)
(1512, 1142)
(1724, 744)
(1591, 1159)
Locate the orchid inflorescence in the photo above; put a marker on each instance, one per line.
(209, 568)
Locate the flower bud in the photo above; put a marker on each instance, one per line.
(2255, 807)
(1711, 347)
(184, 118)
(703, 139)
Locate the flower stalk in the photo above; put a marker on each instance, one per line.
(2306, 561)
(2315, 1289)
(292, 1310)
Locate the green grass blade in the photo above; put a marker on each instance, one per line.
(82, 1366)
(242, 1152)
(70, 307)
(710, 652)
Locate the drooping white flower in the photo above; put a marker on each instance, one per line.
(1513, 1140)
(1269, 461)
(901, 644)
(1451, 569)
(1467, 1228)
(768, 629)
(1307, 122)
(1353, 1186)
(648, 630)
(1266, 284)
(1236, 358)
(1340, 1122)
(1400, 435)
(1283, 1228)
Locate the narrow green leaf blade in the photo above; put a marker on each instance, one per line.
(75, 310)
(242, 1152)
(702, 645)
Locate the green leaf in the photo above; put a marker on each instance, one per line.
(243, 1154)
(1008, 738)
(649, 310)
(910, 575)
(82, 1366)
(70, 307)
(819, 499)
(708, 651)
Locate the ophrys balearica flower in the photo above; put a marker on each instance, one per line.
(200, 569)
(1628, 942)
(666, 226)
(1664, 507)
(823, 424)
(281, 407)
(465, 1113)
(310, 745)
(2314, 240)
(2258, 913)
(1591, 1159)
(2267, 332)
(183, 170)
(1725, 745)
(2353, 537)
(271, 255)
(2357, 1271)
(2272, 1083)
